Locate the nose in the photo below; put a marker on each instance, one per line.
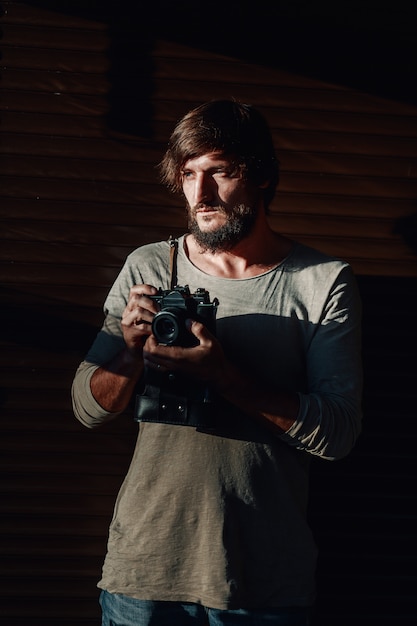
(203, 189)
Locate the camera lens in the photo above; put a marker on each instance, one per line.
(165, 327)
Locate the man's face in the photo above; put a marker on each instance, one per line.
(222, 206)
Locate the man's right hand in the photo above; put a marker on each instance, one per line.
(137, 317)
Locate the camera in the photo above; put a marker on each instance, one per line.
(173, 397)
(176, 306)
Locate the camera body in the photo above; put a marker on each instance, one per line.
(176, 306)
(171, 397)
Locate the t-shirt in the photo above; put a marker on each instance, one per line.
(219, 517)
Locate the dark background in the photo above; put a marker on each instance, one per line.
(90, 93)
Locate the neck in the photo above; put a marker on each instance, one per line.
(262, 250)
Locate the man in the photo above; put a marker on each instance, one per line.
(209, 526)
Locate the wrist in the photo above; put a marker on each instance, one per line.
(225, 381)
(129, 363)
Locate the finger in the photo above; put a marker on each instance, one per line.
(143, 290)
(198, 330)
(142, 308)
(139, 321)
(137, 318)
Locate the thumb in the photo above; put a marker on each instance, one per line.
(198, 330)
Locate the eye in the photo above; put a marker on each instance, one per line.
(226, 172)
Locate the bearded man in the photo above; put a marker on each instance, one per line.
(257, 368)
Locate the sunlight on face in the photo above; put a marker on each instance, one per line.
(222, 206)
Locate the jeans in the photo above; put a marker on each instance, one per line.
(120, 610)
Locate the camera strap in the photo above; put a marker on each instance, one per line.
(173, 253)
(169, 399)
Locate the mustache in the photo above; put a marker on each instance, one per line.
(206, 205)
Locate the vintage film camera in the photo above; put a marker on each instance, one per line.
(168, 397)
(177, 305)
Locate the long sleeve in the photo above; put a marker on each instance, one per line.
(329, 420)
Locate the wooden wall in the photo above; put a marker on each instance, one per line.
(89, 97)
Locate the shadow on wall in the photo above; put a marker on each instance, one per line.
(406, 227)
(362, 46)
(131, 67)
(43, 324)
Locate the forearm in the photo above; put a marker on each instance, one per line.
(325, 425)
(207, 361)
(113, 384)
(101, 393)
(277, 409)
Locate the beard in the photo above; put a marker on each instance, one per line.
(239, 224)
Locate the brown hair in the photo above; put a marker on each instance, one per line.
(237, 130)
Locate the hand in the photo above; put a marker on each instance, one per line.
(205, 361)
(137, 316)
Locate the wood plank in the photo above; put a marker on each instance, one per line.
(51, 234)
(87, 169)
(349, 186)
(45, 210)
(58, 82)
(107, 149)
(67, 504)
(85, 190)
(28, 156)
(73, 484)
(49, 566)
(56, 104)
(88, 461)
(22, 57)
(79, 296)
(31, 523)
(17, 119)
(90, 122)
(196, 91)
(84, 36)
(383, 259)
(51, 587)
(130, 191)
(22, 14)
(108, 245)
(49, 545)
(17, 357)
(54, 377)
